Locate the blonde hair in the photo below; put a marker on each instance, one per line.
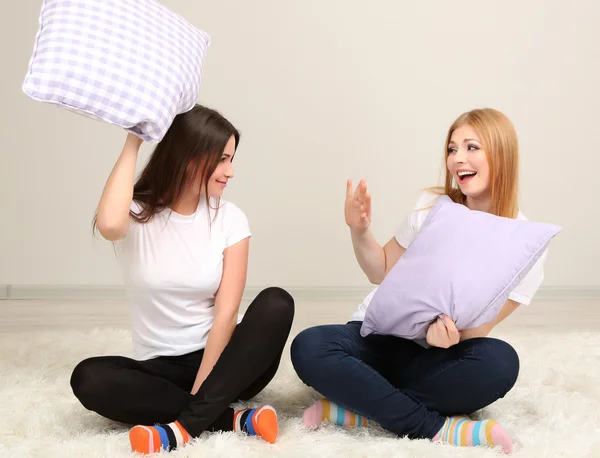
(499, 140)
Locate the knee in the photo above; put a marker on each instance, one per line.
(306, 351)
(85, 381)
(278, 304)
(504, 358)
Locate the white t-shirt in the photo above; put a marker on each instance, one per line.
(407, 232)
(172, 269)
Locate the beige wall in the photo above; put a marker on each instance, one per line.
(324, 91)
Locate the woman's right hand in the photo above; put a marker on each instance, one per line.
(357, 208)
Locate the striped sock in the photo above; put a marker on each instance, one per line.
(257, 422)
(153, 439)
(325, 410)
(464, 432)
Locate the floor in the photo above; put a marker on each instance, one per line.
(554, 411)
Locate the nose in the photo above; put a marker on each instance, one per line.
(460, 156)
(229, 171)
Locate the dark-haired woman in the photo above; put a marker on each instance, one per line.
(184, 253)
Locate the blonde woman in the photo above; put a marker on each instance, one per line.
(424, 389)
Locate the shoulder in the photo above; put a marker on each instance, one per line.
(235, 223)
(413, 221)
(423, 205)
(426, 200)
(231, 212)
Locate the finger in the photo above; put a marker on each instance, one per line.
(357, 191)
(363, 188)
(454, 336)
(453, 333)
(441, 333)
(348, 189)
(368, 204)
(440, 327)
(449, 323)
(439, 336)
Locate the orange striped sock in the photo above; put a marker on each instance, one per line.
(325, 410)
(257, 422)
(153, 439)
(463, 432)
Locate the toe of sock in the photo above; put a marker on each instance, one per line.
(502, 438)
(311, 418)
(144, 440)
(266, 425)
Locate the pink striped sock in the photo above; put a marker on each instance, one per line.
(325, 410)
(463, 432)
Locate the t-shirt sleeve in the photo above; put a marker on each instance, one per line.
(413, 221)
(528, 287)
(237, 227)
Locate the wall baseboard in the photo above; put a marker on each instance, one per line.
(301, 293)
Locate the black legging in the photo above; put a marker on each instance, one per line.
(158, 390)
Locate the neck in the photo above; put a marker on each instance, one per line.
(479, 203)
(187, 205)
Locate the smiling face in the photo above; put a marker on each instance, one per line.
(218, 180)
(224, 171)
(482, 162)
(468, 164)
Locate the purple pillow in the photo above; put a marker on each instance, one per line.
(463, 263)
(131, 63)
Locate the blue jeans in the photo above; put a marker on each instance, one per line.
(409, 390)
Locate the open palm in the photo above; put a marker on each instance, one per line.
(357, 208)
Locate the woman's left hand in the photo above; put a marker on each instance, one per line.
(443, 333)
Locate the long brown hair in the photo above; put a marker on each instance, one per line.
(499, 140)
(194, 142)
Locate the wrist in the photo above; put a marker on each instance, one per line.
(133, 142)
(359, 233)
(228, 320)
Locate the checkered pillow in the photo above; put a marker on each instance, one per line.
(132, 63)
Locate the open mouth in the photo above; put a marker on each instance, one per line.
(465, 177)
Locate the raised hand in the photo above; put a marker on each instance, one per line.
(443, 333)
(357, 208)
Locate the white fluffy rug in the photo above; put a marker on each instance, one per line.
(554, 410)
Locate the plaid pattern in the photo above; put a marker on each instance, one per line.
(132, 63)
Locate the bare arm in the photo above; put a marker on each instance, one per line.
(375, 260)
(227, 305)
(113, 210)
(482, 331)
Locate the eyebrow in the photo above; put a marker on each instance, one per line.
(226, 155)
(466, 140)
